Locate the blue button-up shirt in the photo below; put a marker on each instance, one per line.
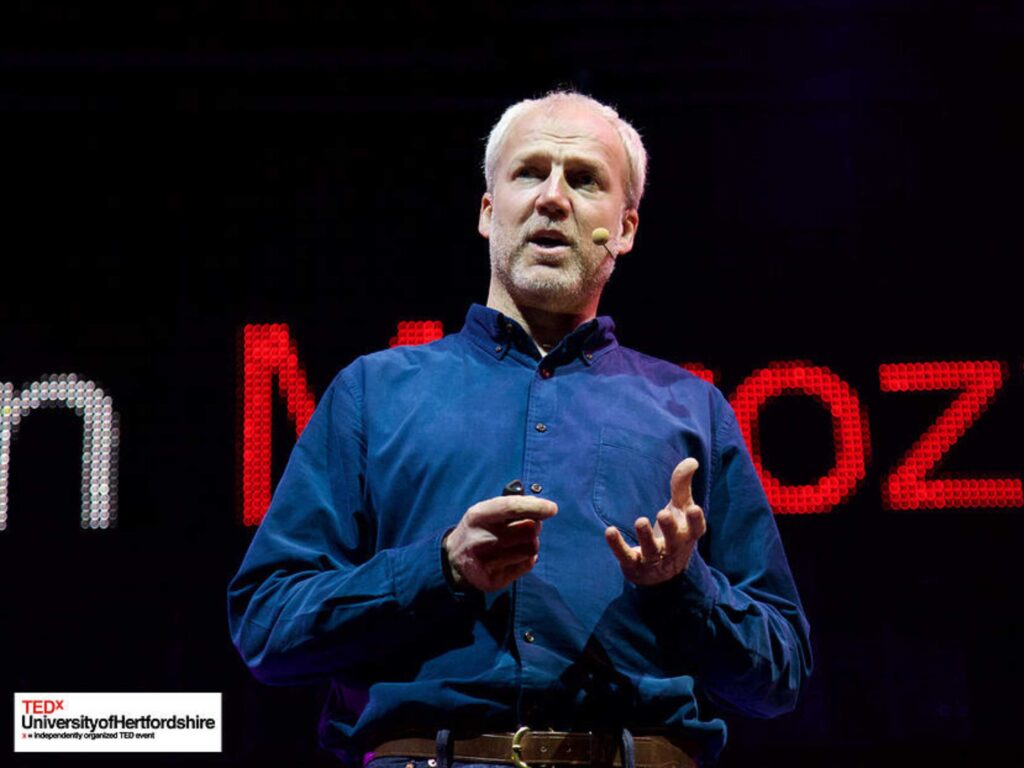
(345, 580)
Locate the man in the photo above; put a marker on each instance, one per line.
(524, 523)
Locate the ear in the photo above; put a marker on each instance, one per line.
(486, 207)
(630, 221)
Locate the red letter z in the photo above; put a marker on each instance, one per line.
(906, 487)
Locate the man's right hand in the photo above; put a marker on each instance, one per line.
(497, 541)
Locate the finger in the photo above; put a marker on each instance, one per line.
(696, 523)
(680, 540)
(625, 554)
(511, 552)
(524, 527)
(507, 508)
(669, 523)
(515, 534)
(648, 544)
(513, 572)
(681, 484)
(501, 564)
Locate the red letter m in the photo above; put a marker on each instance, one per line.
(268, 351)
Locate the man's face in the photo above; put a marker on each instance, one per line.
(559, 175)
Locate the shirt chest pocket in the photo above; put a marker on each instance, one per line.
(632, 477)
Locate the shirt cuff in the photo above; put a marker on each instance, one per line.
(418, 573)
(694, 591)
(458, 592)
(700, 590)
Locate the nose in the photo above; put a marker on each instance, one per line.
(553, 198)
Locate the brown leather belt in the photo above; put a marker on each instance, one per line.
(550, 748)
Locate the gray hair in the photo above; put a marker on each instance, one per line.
(631, 141)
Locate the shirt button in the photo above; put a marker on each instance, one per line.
(546, 373)
(589, 356)
(541, 427)
(497, 349)
(528, 636)
(536, 487)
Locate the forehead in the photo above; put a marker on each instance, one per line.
(565, 130)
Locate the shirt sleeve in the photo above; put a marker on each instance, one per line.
(737, 595)
(312, 598)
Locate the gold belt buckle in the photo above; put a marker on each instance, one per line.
(517, 747)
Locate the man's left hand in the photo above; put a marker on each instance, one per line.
(665, 549)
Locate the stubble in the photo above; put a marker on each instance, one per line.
(569, 287)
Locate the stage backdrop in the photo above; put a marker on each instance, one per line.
(208, 213)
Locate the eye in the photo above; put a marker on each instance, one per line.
(527, 172)
(586, 179)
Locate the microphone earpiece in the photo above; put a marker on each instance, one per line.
(601, 236)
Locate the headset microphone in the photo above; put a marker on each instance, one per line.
(601, 236)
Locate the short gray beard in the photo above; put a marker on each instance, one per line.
(564, 292)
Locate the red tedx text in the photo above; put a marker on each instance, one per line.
(42, 706)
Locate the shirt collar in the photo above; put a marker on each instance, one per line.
(499, 334)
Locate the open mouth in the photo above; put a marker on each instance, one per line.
(549, 239)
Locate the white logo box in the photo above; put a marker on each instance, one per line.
(117, 722)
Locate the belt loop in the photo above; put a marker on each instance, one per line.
(444, 748)
(628, 750)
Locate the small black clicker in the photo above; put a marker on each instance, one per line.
(513, 488)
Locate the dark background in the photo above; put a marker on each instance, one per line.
(830, 181)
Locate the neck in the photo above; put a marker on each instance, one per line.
(545, 326)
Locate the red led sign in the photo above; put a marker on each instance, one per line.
(269, 351)
(412, 332)
(698, 370)
(849, 431)
(907, 486)
(268, 354)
